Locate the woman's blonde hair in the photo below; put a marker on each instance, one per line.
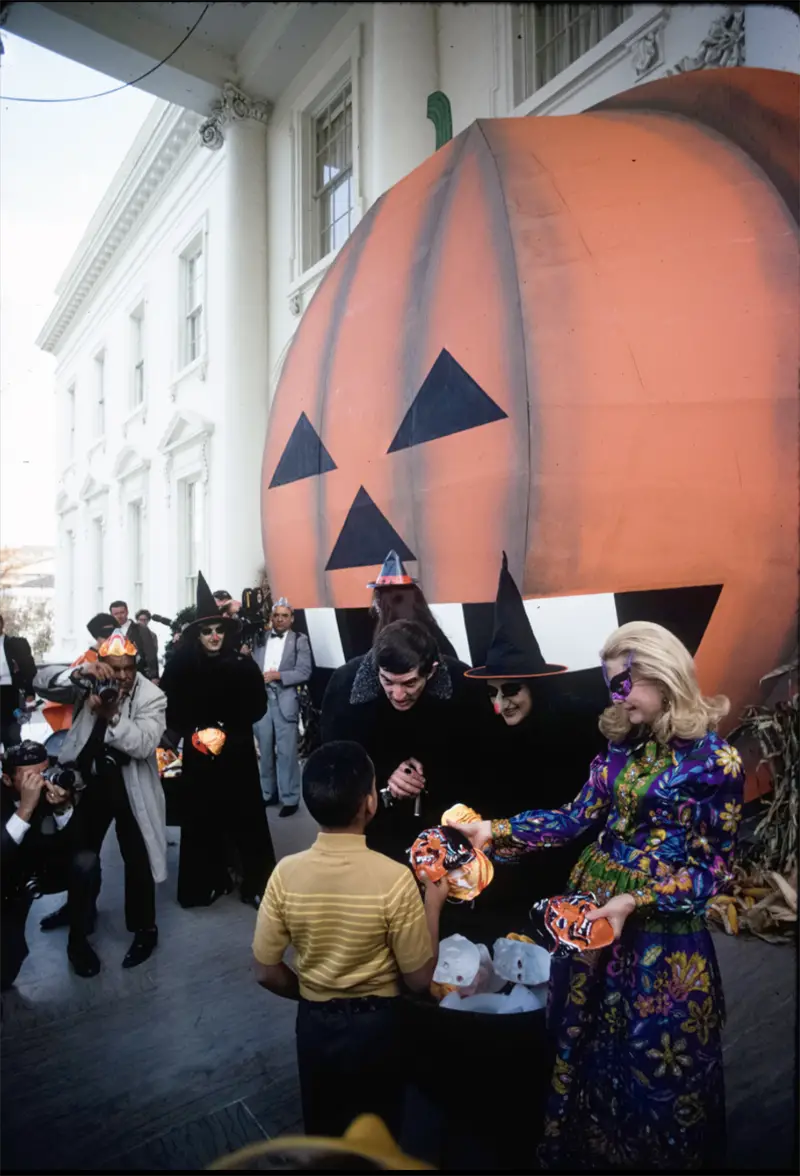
(659, 656)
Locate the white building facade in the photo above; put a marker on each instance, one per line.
(178, 308)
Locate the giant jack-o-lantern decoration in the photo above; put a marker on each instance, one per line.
(573, 339)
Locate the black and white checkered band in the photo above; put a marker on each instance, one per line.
(570, 629)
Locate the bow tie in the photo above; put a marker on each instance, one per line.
(280, 636)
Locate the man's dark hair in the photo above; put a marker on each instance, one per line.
(23, 755)
(404, 646)
(144, 612)
(222, 594)
(101, 625)
(118, 604)
(336, 778)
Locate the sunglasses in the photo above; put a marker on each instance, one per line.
(209, 629)
(507, 690)
(620, 686)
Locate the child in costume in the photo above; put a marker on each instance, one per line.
(358, 926)
(638, 1080)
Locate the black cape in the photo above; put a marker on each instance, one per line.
(221, 794)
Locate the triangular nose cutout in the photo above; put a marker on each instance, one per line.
(365, 537)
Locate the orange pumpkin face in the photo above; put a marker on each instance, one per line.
(565, 919)
(570, 338)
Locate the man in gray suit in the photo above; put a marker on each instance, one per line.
(285, 661)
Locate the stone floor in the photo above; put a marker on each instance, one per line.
(168, 1066)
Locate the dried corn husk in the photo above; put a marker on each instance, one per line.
(762, 903)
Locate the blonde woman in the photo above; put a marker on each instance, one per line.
(638, 1071)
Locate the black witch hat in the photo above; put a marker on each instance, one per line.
(514, 651)
(208, 609)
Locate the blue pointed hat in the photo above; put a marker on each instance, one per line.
(393, 574)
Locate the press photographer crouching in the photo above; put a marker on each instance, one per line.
(38, 846)
(117, 723)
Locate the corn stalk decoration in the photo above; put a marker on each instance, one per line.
(763, 899)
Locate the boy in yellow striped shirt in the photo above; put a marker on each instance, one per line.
(358, 926)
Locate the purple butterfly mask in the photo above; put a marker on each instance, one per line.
(620, 686)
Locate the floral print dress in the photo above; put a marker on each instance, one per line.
(638, 1077)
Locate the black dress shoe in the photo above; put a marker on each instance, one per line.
(142, 948)
(83, 957)
(288, 810)
(60, 918)
(253, 900)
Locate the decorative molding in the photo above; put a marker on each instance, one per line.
(129, 462)
(647, 53)
(296, 303)
(722, 46)
(168, 479)
(440, 114)
(91, 488)
(233, 106)
(64, 504)
(160, 157)
(186, 426)
(137, 414)
(198, 367)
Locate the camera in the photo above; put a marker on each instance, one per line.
(65, 777)
(251, 616)
(107, 692)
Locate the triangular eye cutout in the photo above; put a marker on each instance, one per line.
(686, 612)
(365, 537)
(448, 402)
(304, 456)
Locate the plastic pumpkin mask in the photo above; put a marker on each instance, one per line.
(209, 741)
(442, 851)
(565, 919)
(561, 290)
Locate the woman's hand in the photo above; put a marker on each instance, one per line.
(616, 911)
(478, 833)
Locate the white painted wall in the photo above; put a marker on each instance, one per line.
(249, 195)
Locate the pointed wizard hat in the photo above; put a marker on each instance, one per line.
(393, 574)
(208, 608)
(514, 651)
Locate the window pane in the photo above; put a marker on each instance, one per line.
(333, 196)
(550, 37)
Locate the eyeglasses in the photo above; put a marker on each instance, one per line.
(507, 690)
(216, 630)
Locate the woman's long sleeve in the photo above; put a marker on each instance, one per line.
(543, 828)
(712, 821)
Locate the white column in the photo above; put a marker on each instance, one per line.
(238, 449)
(405, 65)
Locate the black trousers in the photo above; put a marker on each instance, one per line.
(82, 877)
(348, 1059)
(106, 800)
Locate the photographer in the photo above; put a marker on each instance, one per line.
(37, 846)
(118, 720)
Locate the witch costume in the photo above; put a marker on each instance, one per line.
(637, 1082)
(223, 800)
(543, 757)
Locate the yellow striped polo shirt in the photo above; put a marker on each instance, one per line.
(354, 917)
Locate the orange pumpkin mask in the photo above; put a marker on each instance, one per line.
(442, 851)
(543, 302)
(565, 919)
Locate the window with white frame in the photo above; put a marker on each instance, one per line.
(100, 394)
(98, 562)
(550, 37)
(193, 298)
(192, 526)
(331, 174)
(136, 549)
(71, 421)
(137, 356)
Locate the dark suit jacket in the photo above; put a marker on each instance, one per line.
(146, 643)
(42, 850)
(21, 663)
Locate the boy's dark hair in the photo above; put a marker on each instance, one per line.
(404, 646)
(118, 604)
(336, 778)
(144, 612)
(101, 625)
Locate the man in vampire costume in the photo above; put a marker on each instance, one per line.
(543, 740)
(423, 724)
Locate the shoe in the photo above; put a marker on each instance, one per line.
(273, 800)
(144, 943)
(288, 810)
(84, 959)
(60, 918)
(253, 900)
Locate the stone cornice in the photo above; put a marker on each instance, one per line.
(174, 134)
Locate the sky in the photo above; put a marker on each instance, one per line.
(56, 162)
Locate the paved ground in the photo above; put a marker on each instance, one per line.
(170, 1065)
